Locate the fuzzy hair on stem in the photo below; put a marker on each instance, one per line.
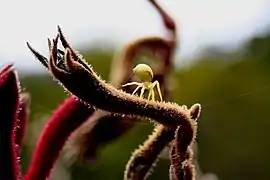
(22, 119)
(9, 102)
(69, 116)
(143, 160)
(145, 157)
(182, 165)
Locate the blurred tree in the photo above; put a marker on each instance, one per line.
(259, 47)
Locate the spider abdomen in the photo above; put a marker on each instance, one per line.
(144, 72)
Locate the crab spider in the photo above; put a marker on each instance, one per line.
(145, 74)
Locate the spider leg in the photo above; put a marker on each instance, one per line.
(153, 94)
(131, 83)
(137, 88)
(156, 83)
(142, 91)
(150, 94)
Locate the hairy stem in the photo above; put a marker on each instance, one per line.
(69, 116)
(9, 101)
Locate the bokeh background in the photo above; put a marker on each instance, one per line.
(223, 63)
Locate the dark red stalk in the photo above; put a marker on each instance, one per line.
(9, 100)
(69, 116)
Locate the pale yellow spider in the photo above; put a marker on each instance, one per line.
(145, 74)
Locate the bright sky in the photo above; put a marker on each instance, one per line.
(201, 22)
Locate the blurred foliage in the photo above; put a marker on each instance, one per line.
(233, 127)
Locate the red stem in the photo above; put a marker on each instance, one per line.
(9, 100)
(69, 116)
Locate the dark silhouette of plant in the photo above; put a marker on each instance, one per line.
(87, 139)
(70, 70)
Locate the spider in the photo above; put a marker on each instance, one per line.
(145, 74)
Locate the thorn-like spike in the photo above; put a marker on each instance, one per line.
(69, 61)
(61, 52)
(49, 43)
(62, 38)
(40, 57)
(73, 53)
(53, 59)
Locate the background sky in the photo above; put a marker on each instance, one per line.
(201, 23)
